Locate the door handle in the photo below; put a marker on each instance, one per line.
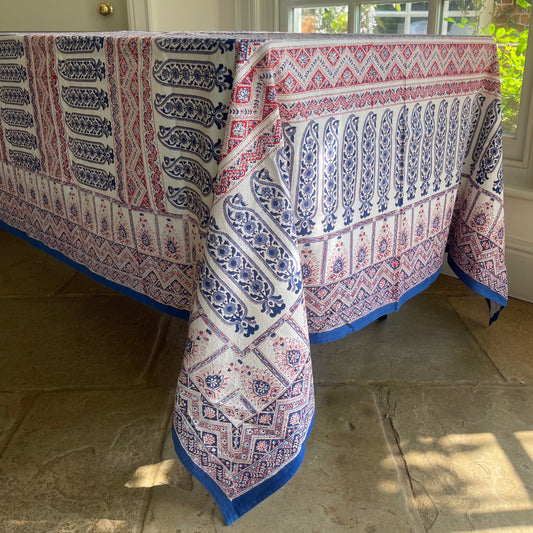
(105, 9)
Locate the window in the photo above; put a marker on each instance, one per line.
(406, 17)
(507, 21)
(333, 19)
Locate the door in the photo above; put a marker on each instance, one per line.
(61, 15)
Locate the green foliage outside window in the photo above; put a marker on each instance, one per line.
(512, 48)
(328, 19)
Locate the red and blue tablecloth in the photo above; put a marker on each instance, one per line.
(275, 190)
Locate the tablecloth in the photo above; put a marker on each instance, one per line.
(273, 189)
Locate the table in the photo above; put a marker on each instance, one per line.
(273, 189)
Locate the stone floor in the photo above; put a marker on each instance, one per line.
(424, 420)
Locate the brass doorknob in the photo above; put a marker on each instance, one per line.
(105, 9)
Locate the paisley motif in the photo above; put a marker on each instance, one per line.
(274, 200)
(225, 303)
(402, 136)
(329, 196)
(368, 165)
(92, 152)
(12, 73)
(11, 49)
(492, 114)
(189, 200)
(16, 117)
(25, 160)
(14, 95)
(451, 142)
(384, 160)
(440, 144)
(477, 106)
(194, 45)
(285, 156)
(190, 140)
(244, 272)
(414, 151)
(184, 168)
(76, 44)
(85, 97)
(192, 109)
(426, 162)
(81, 69)
(22, 139)
(463, 135)
(306, 205)
(200, 75)
(90, 125)
(490, 160)
(263, 241)
(349, 167)
(94, 177)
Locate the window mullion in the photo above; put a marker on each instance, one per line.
(407, 19)
(434, 8)
(353, 26)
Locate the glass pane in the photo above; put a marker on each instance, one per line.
(457, 28)
(407, 17)
(332, 19)
(462, 17)
(508, 23)
(462, 5)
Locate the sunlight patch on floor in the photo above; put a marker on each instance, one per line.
(473, 468)
(153, 475)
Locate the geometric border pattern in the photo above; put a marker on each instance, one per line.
(277, 189)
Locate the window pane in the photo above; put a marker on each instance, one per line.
(507, 22)
(462, 17)
(407, 17)
(462, 5)
(332, 19)
(456, 28)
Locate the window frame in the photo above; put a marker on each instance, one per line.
(286, 7)
(517, 147)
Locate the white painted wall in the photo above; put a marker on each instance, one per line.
(212, 15)
(195, 15)
(519, 242)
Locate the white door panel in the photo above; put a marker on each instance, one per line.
(61, 15)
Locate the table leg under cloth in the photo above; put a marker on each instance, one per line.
(279, 190)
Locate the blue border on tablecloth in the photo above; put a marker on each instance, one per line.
(482, 290)
(234, 509)
(342, 331)
(142, 298)
(475, 285)
(490, 295)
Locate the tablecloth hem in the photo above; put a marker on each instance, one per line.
(342, 331)
(141, 298)
(482, 290)
(234, 509)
